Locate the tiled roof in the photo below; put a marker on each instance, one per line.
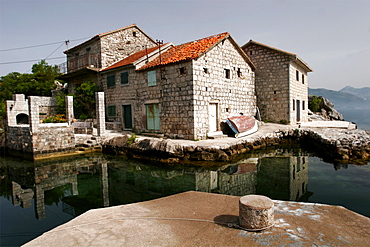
(295, 56)
(133, 58)
(187, 51)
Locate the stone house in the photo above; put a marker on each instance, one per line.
(281, 83)
(183, 91)
(85, 60)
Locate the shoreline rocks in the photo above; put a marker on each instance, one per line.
(332, 143)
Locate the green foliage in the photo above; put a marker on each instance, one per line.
(83, 100)
(131, 139)
(314, 104)
(283, 121)
(39, 83)
(59, 118)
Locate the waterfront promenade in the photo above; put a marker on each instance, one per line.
(204, 219)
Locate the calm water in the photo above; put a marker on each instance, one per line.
(36, 197)
(359, 116)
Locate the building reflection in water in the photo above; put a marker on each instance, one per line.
(94, 181)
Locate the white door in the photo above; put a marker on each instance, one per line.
(213, 117)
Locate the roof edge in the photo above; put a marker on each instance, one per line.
(293, 55)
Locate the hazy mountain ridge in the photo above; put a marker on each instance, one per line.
(363, 93)
(359, 98)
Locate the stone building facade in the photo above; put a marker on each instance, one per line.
(84, 61)
(186, 91)
(281, 83)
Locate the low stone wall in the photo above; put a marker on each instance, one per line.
(18, 138)
(53, 138)
(336, 144)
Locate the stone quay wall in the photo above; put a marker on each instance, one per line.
(336, 144)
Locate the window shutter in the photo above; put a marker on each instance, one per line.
(124, 77)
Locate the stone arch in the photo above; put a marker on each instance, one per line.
(22, 118)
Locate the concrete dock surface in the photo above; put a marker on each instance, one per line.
(204, 219)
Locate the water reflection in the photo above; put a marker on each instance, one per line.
(80, 184)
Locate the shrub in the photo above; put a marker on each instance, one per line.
(314, 104)
(59, 118)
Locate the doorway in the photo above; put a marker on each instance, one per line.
(298, 110)
(127, 116)
(213, 117)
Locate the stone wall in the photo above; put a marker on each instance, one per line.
(118, 45)
(277, 87)
(53, 138)
(232, 96)
(298, 91)
(18, 138)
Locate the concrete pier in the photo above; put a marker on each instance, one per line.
(204, 219)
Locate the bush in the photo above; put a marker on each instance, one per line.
(314, 104)
(59, 118)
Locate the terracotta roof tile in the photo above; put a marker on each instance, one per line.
(187, 51)
(133, 58)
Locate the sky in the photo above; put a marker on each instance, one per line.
(332, 36)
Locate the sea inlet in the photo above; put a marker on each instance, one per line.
(38, 196)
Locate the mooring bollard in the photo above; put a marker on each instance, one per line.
(256, 213)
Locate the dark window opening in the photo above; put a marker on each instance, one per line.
(303, 105)
(205, 70)
(251, 53)
(293, 105)
(111, 80)
(112, 110)
(182, 70)
(239, 72)
(302, 78)
(297, 75)
(227, 73)
(124, 77)
(134, 34)
(274, 92)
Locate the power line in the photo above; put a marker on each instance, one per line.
(33, 60)
(34, 46)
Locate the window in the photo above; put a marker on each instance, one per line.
(182, 71)
(152, 78)
(302, 78)
(111, 80)
(205, 70)
(239, 72)
(250, 52)
(124, 77)
(227, 73)
(112, 110)
(152, 116)
(297, 75)
(134, 34)
(303, 105)
(293, 105)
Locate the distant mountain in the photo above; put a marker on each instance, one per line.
(363, 93)
(344, 100)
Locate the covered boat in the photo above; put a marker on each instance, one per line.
(242, 125)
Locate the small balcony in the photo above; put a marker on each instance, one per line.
(80, 62)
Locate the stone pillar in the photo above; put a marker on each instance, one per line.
(100, 113)
(69, 109)
(34, 110)
(256, 213)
